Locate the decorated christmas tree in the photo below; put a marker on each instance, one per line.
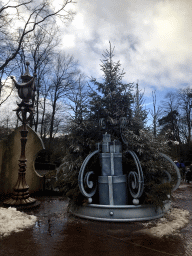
(111, 105)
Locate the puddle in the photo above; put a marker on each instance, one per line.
(56, 233)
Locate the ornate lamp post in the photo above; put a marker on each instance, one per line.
(26, 91)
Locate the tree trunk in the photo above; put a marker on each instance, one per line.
(43, 118)
(52, 123)
(37, 112)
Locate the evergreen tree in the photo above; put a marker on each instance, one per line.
(169, 125)
(113, 98)
(139, 113)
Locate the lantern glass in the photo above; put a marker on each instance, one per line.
(26, 93)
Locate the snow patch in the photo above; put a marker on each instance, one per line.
(13, 220)
(169, 225)
(179, 196)
(183, 186)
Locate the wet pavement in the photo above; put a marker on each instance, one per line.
(58, 233)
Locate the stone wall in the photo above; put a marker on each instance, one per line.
(10, 150)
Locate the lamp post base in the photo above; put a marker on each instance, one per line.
(19, 202)
(20, 195)
(30, 203)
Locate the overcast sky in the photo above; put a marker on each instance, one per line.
(152, 39)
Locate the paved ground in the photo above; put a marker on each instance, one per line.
(56, 233)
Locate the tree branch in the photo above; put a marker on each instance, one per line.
(35, 23)
(14, 6)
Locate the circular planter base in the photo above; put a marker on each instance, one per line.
(120, 213)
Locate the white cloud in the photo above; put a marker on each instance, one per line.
(8, 98)
(152, 39)
(68, 41)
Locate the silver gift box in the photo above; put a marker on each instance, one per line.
(112, 190)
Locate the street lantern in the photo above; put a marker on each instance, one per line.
(26, 89)
(24, 111)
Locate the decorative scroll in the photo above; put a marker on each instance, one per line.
(176, 169)
(87, 181)
(168, 176)
(135, 179)
(22, 110)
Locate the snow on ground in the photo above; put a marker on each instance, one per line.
(183, 186)
(13, 220)
(173, 221)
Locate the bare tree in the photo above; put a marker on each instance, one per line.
(8, 89)
(184, 101)
(155, 113)
(78, 100)
(45, 127)
(30, 15)
(44, 94)
(61, 83)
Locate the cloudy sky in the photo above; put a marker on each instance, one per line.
(152, 39)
